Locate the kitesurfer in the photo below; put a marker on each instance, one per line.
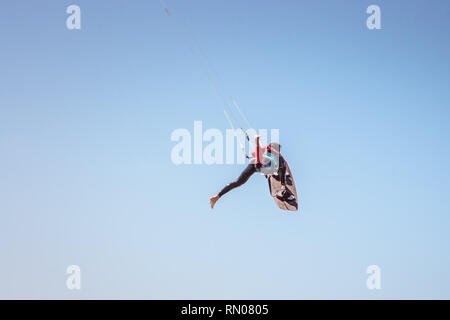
(267, 160)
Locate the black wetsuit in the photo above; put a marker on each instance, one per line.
(247, 173)
(251, 169)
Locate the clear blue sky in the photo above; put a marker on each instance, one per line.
(86, 176)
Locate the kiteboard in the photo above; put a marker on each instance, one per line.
(288, 201)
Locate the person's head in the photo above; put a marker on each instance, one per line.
(275, 147)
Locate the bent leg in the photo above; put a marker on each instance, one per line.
(245, 175)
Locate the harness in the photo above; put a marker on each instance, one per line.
(270, 162)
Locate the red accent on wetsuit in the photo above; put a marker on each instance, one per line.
(258, 155)
(263, 150)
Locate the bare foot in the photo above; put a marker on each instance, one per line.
(213, 200)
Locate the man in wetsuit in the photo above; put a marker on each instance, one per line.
(273, 163)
